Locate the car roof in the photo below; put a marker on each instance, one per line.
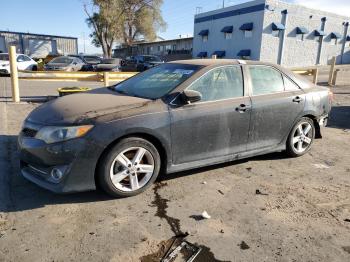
(8, 54)
(218, 62)
(210, 63)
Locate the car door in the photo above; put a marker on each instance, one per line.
(21, 63)
(218, 124)
(29, 63)
(276, 103)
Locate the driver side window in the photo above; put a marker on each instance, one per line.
(220, 83)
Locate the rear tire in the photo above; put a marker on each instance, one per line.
(301, 137)
(129, 167)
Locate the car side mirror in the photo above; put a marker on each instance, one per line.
(191, 96)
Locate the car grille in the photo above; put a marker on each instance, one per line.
(28, 132)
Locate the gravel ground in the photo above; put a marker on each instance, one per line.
(301, 211)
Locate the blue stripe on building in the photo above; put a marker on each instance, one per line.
(242, 11)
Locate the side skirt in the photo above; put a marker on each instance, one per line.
(223, 159)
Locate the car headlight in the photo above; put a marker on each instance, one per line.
(53, 134)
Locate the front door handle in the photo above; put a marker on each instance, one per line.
(297, 99)
(242, 108)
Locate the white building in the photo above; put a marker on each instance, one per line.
(273, 31)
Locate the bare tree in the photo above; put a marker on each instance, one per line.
(123, 21)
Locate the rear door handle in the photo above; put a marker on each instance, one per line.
(297, 99)
(242, 108)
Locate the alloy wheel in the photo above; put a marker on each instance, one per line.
(132, 169)
(302, 137)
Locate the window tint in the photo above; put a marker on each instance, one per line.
(265, 80)
(289, 85)
(220, 83)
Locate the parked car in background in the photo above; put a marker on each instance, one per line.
(140, 63)
(64, 63)
(23, 63)
(173, 117)
(90, 61)
(109, 64)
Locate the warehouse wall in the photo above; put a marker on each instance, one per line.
(217, 41)
(24, 41)
(296, 52)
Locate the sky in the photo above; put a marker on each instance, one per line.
(67, 17)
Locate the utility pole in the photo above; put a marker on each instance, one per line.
(223, 3)
(84, 42)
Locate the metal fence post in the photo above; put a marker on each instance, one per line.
(315, 76)
(331, 72)
(106, 78)
(14, 75)
(214, 56)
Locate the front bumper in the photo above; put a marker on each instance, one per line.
(76, 159)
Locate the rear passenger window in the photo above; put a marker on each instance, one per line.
(289, 85)
(265, 80)
(221, 83)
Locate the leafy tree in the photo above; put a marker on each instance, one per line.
(123, 21)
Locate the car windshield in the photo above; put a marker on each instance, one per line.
(92, 59)
(158, 81)
(4, 57)
(151, 59)
(62, 60)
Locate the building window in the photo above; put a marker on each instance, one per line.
(228, 35)
(248, 34)
(205, 38)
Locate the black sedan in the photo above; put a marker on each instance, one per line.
(140, 63)
(176, 116)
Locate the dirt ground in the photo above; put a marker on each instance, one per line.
(301, 211)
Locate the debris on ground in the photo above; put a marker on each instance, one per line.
(244, 245)
(204, 182)
(347, 219)
(186, 250)
(249, 169)
(258, 192)
(205, 215)
(222, 193)
(222, 231)
(321, 166)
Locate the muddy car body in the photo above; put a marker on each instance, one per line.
(216, 111)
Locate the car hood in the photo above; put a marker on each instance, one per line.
(84, 107)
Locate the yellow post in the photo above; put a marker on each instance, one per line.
(331, 72)
(334, 80)
(106, 78)
(14, 74)
(315, 76)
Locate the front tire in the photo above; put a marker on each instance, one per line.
(129, 167)
(301, 137)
